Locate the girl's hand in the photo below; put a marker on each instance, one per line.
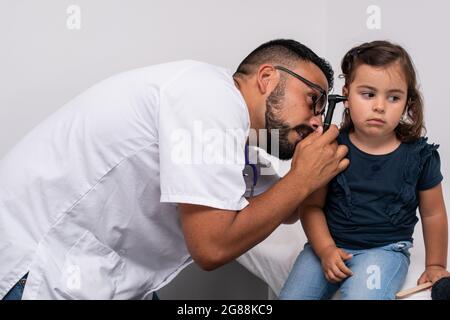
(433, 274)
(333, 264)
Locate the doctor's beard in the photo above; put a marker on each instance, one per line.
(273, 122)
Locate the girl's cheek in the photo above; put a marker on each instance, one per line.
(355, 102)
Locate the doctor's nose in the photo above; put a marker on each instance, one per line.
(316, 121)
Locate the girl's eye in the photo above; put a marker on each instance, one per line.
(393, 98)
(368, 95)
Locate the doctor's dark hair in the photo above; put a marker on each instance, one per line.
(382, 54)
(284, 52)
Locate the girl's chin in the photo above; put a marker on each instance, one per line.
(374, 131)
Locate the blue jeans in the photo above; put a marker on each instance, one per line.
(378, 274)
(17, 291)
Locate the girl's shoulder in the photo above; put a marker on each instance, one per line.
(418, 153)
(422, 147)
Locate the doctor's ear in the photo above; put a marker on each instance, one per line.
(267, 78)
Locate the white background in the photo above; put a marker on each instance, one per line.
(43, 64)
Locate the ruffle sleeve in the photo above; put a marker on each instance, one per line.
(418, 154)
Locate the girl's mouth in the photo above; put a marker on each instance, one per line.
(376, 122)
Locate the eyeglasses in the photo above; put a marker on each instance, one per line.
(319, 103)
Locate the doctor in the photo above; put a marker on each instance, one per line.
(108, 199)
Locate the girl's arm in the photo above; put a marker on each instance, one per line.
(314, 223)
(435, 233)
(315, 226)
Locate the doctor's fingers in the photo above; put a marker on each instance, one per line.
(319, 138)
(342, 165)
(311, 138)
(329, 136)
(342, 162)
(316, 147)
(341, 151)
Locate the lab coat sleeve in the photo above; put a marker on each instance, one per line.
(203, 127)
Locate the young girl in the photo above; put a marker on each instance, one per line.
(360, 227)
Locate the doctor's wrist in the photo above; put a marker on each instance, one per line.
(299, 182)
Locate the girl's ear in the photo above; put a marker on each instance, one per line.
(408, 104)
(345, 93)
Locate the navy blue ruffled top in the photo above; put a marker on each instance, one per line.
(374, 201)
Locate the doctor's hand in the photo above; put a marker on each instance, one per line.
(318, 158)
(333, 265)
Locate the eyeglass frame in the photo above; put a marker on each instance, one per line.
(310, 84)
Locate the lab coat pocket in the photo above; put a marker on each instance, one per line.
(90, 270)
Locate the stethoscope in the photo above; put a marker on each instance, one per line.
(254, 170)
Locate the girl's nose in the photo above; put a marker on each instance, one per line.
(379, 106)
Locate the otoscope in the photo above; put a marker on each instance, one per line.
(332, 100)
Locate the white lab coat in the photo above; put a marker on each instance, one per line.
(88, 198)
